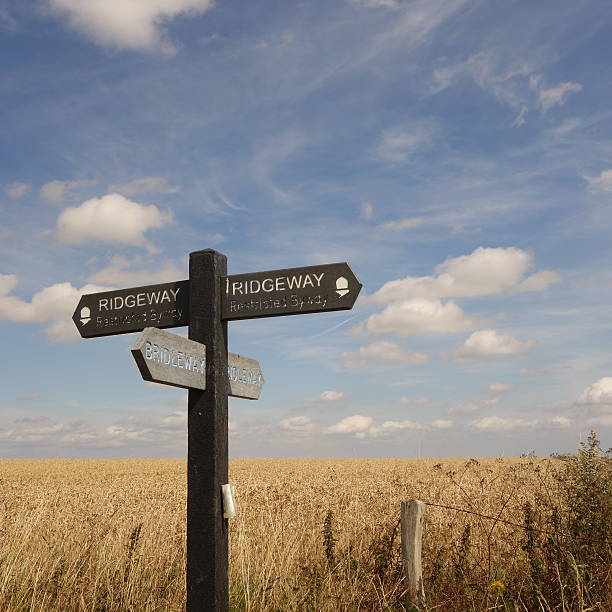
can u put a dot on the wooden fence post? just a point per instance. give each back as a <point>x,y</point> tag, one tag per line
<point>411,519</point>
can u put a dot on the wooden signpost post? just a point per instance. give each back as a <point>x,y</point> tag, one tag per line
<point>202,364</point>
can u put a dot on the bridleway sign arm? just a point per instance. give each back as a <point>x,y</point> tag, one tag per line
<point>170,359</point>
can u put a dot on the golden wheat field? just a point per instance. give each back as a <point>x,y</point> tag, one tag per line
<point>311,534</point>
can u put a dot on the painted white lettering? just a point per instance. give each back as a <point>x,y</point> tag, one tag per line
<point>251,289</point>
<point>153,297</point>
<point>308,281</point>
<point>140,299</point>
<point>236,288</point>
<point>267,285</point>
<point>103,304</point>
<point>294,282</point>
<point>132,301</point>
<point>174,293</point>
<point>318,278</point>
<point>280,283</point>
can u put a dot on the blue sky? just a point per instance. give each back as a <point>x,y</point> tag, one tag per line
<point>457,154</point>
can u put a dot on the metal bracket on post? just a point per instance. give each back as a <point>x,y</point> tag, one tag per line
<point>229,503</point>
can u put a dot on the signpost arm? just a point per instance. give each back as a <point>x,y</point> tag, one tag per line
<point>207,548</point>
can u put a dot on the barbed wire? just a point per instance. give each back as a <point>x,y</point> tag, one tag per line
<point>513,524</point>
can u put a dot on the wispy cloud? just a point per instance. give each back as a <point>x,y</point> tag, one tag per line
<point>146,184</point>
<point>399,144</point>
<point>57,192</point>
<point>381,353</point>
<point>17,190</point>
<point>402,224</point>
<point>122,271</point>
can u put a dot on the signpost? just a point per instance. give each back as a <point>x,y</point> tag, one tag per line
<point>245,377</point>
<point>131,310</point>
<point>170,359</point>
<point>286,292</point>
<point>202,364</point>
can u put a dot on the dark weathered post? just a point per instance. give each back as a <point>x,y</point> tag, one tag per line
<point>207,554</point>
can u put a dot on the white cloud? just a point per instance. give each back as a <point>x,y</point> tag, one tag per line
<point>355,424</point>
<point>402,224</point>
<point>381,353</point>
<point>532,372</point>
<point>134,429</point>
<point>442,423</point>
<point>130,24</point>
<point>400,144</point>
<point>391,427</point>
<point>601,421</point>
<point>176,419</point>
<point>485,271</point>
<point>540,281</point>
<point>599,392</point>
<point>17,190</point>
<point>552,96</point>
<point>57,192</point>
<point>297,425</point>
<point>419,316</point>
<point>54,304</point>
<point>375,3</point>
<point>559,420</point>
<point>499,387</point>
<point>331,396</point>
<point>111,218</point>
<point>603,182</point>
<point>27,398</point>
<point>119,272</point>
<point>417,400</point>
<point>147,184</point>
<point>496,423</point>
<point>367,211</point>
<point>468,407</point>
<point>488,343</point>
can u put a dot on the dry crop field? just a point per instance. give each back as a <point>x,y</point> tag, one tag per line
<point>311,534</point>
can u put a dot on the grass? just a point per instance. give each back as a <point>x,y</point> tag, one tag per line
<point>311,534</point>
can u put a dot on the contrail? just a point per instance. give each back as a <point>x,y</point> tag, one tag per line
<point>331,329</point>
